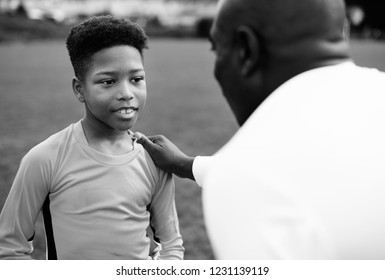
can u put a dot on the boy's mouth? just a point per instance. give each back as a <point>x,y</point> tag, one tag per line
<point>127,110</point>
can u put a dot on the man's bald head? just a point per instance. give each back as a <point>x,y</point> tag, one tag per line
<point>260,44</point>
<point>286,22</point>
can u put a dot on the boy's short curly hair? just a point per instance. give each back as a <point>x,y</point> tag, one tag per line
<point>98,33</point>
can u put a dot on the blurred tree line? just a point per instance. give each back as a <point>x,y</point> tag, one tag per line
<point>365,16</point>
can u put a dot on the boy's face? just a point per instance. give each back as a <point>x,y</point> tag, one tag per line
<point>114,88</point>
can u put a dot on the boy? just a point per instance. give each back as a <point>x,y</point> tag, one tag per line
<point>98,188</point>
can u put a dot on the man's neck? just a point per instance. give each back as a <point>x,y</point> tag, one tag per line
<point>303,57</point>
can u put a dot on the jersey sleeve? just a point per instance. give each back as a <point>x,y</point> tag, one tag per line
<point>164,219</point>
<point>21,209</point>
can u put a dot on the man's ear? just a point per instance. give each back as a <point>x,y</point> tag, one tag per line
<point>248,49</point>
<point>78,90</point>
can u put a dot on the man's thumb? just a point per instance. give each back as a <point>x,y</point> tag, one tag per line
<point>143,140</point>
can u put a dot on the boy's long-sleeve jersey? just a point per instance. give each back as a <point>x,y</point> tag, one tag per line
<point>95,206</point>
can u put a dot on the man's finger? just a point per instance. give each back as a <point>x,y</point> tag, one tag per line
<point>144,141</point>
<point>139,136</point>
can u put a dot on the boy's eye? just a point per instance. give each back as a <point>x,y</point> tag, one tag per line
<point>107,82</point>
<point>138,79</point>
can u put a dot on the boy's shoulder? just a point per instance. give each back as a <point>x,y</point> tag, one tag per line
<point>50,147</point>
<point>155,170</point>
<point>144,156</point>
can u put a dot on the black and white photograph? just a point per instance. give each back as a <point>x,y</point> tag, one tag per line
<point>199,130</point>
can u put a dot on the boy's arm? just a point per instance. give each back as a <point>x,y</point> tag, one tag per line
<point>20,211</point>
<point>164,219</point>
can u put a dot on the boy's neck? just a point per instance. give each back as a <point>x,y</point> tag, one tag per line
<point>105,139</point>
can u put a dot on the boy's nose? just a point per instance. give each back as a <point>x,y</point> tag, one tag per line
<point>125,92</point>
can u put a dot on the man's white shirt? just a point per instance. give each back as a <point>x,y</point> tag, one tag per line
<point>304,177</point>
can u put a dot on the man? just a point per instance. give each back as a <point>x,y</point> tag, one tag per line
<point>304,177</point>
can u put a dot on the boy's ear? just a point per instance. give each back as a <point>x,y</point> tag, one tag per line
<point>248,49</point>
<point>77,88</point>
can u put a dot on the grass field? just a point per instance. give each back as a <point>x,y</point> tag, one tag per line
<point>184,103</point>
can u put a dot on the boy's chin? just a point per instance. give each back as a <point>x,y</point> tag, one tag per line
<point>123,128</point>
<point>122,125</point>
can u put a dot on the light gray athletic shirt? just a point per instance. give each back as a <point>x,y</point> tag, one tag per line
<point>95,206</point>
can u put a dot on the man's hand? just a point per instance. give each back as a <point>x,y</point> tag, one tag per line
<point>166,155</point>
